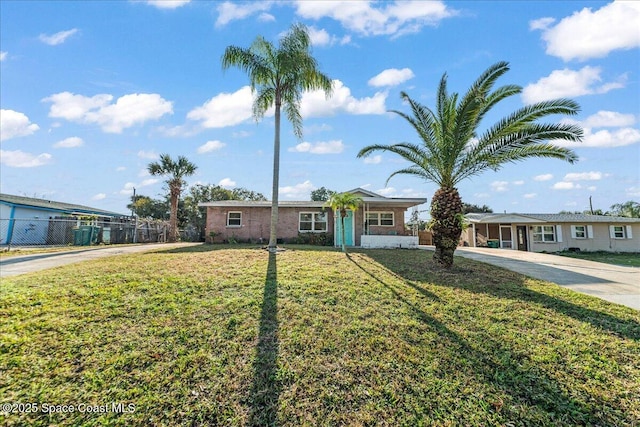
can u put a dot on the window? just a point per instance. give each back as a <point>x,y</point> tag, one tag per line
<point>234,219</point>
<point>579,232</point>
<point>312,222</point>
<point>384,219</point>
<point>544,233</point>
<point>621,232</point>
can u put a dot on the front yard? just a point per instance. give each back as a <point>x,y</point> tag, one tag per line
<point>629,259</point>
<point>236,336</point>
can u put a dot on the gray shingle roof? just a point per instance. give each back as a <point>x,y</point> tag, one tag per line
<point>551,218</point>
<point>58,206</point>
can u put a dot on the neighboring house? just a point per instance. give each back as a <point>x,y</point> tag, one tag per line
<point>552,232</point>
<point>32,221</point>
<point>379,222</point>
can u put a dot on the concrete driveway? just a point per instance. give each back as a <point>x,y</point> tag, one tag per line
<point>13,266</point>
<point>610,282</point>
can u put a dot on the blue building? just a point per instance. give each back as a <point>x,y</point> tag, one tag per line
<point>32,221</point>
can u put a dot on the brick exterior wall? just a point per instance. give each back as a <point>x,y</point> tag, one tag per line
<point>255,223</point>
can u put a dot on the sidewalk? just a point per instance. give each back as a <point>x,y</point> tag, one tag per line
<point>13,266</point>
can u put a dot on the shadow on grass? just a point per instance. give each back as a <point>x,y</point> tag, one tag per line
<point>512,373</point>
<point>265,391</point>
<point>510,286</point>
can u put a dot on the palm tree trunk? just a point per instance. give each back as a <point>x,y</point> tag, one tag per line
<point>173,215</point>
<point>446,215</point>
<point>273,233</point>
<point>344,246</point>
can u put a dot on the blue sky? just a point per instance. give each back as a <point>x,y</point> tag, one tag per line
<point>91,92</point>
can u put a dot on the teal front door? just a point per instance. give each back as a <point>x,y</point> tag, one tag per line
<point>348,229</point>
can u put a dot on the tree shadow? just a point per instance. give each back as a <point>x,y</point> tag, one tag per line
<point>266,388</point>
<point>513,374</point>
<point>514,287</point>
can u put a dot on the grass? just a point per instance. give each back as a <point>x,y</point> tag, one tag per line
<point>628,259</point>
<point>235,337</point>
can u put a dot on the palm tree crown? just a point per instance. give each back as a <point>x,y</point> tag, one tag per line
<point>176,171</point>
<point>278,77</point>
<point>341,203</point>
<point>452,148</point>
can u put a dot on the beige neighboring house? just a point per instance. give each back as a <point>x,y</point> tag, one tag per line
<point>378,223</point>
<point>552,232</point>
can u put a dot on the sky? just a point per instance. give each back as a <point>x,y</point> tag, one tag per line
<point>92,92</point>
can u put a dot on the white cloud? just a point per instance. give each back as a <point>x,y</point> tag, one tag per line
<point>500,186</point>
<point>127,111</point>
<point>482,195</point>
<point>3,55</point>
<point>544,177</point>
<point>373,160</point>
<point>592,188</point>
<point>391,77</point>
<point>167,4</point>
<point>564,185</point>
<point>584,176</point>
<point>387,191</point>
<point>266,17</point>
<point>632,191</point>
<point>324,147</point>
<point>99,196</point>
<point>14,124</point>
<point>299,191</point>
<point>225,109</point>
<point>128,187</point>
<point>20,159</point>
<point>120,169</point>
<point>519,182</point>
<point>230,11</point>
<point>608,119</point>
<point>320,37</point>
<point>151,155</point>
<point>210,146</point>
<point>315,104</point>
<point>567,83</point>
<point>227,183</point>
<point>541,24</point>
<point>530,195</point>
<point>147,182</point>
<point>604,138</point>
<point>71,142</point>
<point>593,34</point>
<point>363,17</point>
<point>57,38</point>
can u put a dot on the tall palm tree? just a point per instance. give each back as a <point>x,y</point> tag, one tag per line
<point>342,203</point>
<point>278,78</point>
<point>452,148</point>
<point>176,170</point>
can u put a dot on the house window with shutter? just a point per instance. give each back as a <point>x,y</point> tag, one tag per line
<point>579,232</point>
<point>618,232</point>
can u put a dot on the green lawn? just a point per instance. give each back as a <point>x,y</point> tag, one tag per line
<point>216,336</point>
<point>615,258</point>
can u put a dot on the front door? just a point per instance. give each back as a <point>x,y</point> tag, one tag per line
<point>348,229</point>
<point>521,232</point>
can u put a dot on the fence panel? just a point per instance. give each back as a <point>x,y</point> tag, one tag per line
<point>74,232</point>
